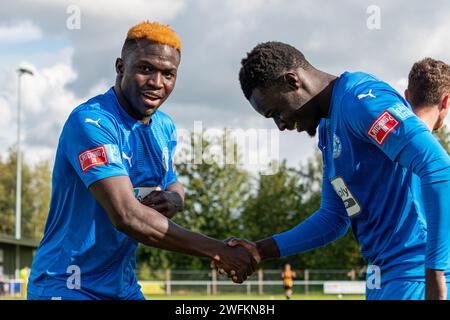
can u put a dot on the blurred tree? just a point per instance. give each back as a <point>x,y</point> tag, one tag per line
<point>36,192</point>
<point>8,193</point>
<point>443,136</point>
<point>35,211</point>
<point>275,205</point>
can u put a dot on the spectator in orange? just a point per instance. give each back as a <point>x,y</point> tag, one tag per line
<point>288,280</point>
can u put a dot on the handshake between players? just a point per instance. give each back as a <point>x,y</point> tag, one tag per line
<point>239,257</point>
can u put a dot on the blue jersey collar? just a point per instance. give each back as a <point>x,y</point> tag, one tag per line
<point>123,114</point>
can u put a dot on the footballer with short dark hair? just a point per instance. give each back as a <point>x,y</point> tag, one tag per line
<point>384,174</point>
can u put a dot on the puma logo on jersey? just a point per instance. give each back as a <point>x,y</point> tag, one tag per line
<point>93,121</point>
<point>128,158</point>
<point>368,94</point>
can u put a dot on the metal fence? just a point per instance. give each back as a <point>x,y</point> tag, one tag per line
<point>12,288</point>
<point>263,282</point>
<point>211,283</point>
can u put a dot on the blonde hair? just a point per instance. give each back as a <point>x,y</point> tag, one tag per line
<point>156,32</point>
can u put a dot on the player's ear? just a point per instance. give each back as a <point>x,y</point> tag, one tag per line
<point>445,103</point>
<point>292,80</point>
<point>119,66</point>
<point>444,107</point>
<point>407,96</point>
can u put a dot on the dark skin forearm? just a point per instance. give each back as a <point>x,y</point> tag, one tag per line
<point>267,248</point>
<point>436,286</point>
<point>153,229</point>
<point>178,188</point>
<point>147,225</point>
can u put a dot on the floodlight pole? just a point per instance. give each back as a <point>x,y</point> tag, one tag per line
<point>18,233</point>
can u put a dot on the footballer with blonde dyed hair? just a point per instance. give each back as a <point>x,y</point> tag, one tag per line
<point>115,184</point>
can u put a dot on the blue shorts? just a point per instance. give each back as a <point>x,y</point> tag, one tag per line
<point>400,290</point>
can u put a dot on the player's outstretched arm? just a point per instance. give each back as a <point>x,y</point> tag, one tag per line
<point>318,230</point>
<point>327,224</point>
<point>146,225</point>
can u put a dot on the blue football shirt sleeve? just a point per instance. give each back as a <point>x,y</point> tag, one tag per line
<point>327,224</point>
<point>377,114</point>
<point>90,141</point>
<point>426,158</point>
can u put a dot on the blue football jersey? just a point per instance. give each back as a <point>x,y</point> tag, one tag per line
<point>368,125</point>
<point>82,255</point>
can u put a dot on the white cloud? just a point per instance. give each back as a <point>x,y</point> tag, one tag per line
<point>46,104</point>
<point>5,121</point>
<point>239,7</point>
<point>400,85</point>
<point>434,42</point>
<point>19,31</point>
<point>122,10</point>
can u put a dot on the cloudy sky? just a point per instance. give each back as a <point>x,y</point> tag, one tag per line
<point>73,62</point>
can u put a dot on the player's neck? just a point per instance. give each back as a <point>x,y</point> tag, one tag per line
<point>429,115</point>
<point>327,82</point>
<point>127,107</point>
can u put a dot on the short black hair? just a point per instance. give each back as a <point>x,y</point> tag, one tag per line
<point>128,47</point>
<point>265,64</point>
